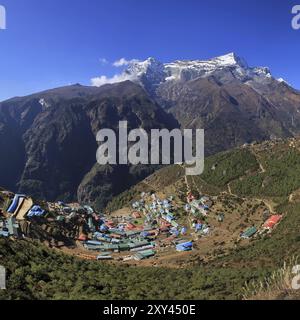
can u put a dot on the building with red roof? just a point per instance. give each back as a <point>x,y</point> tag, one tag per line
<point>272,221</point>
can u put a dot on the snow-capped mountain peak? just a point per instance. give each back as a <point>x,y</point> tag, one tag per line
<point>192,69</point>
<point>229,59</point>
<point>149,73</point>
<point>140,68</point>
<point>152,73</point>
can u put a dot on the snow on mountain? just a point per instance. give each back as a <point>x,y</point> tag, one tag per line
<point>44,103</point>
<point>281,80</point>
<point>192,69</point>
<point>151,73</point>
<point>225,67</point>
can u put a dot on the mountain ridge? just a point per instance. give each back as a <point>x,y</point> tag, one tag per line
<point>42,133</point>
<point>153,71</point>
<point>233,102</point>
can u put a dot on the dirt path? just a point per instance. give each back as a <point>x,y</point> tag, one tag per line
<point>189,189</point>
<point>148,184</point>
<point>188,186</point>
<point>265,201</point>
<point>268,205</point>
<point>229,190</point>
<point>185,179</point>
<point>261,167</point>
<point>294,196</point>
<point>233,194</point>
<point>195,185</point>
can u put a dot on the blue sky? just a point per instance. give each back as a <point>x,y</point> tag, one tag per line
<point>50,43</point>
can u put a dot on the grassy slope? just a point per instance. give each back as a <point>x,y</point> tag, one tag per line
<point>36,272</point>
<point>277,286</point>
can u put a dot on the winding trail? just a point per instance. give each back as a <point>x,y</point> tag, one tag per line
<point>265,201</point>
<point>188,187</point>
<point>196,186</point>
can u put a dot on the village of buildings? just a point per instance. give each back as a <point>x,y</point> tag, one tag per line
<point>147,229</point>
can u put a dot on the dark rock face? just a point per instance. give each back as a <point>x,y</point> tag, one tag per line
<point>49,147</point>
<point>60,149</point>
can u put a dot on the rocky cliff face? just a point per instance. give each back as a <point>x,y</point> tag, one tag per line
<point>49,147</point>
<point>231,114</point>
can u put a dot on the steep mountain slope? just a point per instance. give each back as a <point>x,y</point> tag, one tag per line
<point>231,114</point>
<point>233,102</point>
<point>49,145</point>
